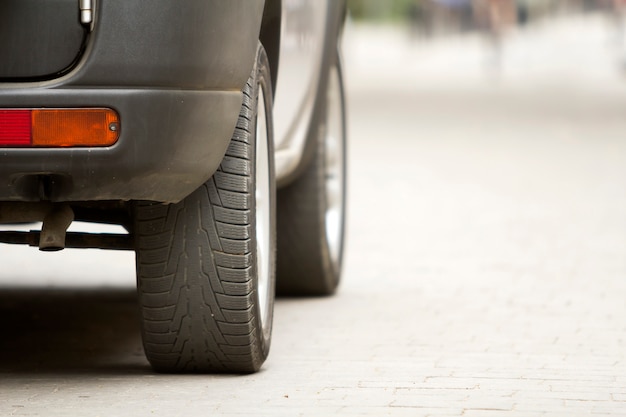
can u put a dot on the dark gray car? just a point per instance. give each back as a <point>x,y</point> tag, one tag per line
<point>159,116</point>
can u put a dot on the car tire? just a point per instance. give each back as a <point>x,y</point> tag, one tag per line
<point>311,210</point>
<point>206,265</point>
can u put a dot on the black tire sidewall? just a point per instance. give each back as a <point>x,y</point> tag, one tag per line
<point>263,83</point>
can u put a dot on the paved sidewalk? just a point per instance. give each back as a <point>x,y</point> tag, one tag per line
<point>489,223</point>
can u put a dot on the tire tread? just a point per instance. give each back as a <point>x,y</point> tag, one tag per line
<point>195,267</point>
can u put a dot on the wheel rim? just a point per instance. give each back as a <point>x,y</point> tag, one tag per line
<point>263,210</point>
<point>334,167</point>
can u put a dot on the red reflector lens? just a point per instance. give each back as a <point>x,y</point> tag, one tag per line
<point>15,127</point>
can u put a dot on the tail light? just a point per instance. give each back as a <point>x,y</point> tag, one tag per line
<point>58,128</point>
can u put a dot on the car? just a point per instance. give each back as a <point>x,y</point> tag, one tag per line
<point>213,131</point>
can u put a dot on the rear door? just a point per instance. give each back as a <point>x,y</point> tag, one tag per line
<point>39,39</point>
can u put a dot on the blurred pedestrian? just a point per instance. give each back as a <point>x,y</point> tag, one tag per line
<point>618,12</point>
<point>456,13</point>
<point>496,17</point>
<point>618,7</point>
<point>420,18</point>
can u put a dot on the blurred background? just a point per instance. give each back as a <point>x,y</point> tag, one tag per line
<point>474,39</point>
<point>486,135</point>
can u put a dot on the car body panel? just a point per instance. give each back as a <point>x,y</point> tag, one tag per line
<point>187,44</point>
<point>173,71</point>
<point>309,34</point>
<point>302,44</point>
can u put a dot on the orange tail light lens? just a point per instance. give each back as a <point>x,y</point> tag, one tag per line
<point>56,128</point>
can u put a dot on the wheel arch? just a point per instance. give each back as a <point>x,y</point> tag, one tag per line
<point>270,35</point>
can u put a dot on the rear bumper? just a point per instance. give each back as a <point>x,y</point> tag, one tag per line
<point>173,72</point>
<point>170,143</point>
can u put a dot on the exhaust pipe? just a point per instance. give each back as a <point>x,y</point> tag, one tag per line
<point>54,227</point>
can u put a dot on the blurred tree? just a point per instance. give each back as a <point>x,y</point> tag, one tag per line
<point>381,9</point>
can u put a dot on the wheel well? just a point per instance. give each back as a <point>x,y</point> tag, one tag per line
<point>270,35</point>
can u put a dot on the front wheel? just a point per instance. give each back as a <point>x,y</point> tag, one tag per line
<point>205,266</point>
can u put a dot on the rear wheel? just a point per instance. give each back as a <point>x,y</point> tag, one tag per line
<point>205,266</point>
<point>311,220</point>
